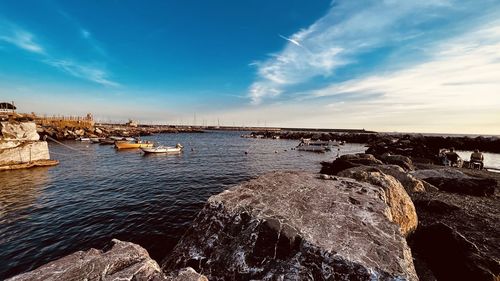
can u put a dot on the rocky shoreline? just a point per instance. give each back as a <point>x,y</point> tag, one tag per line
<point>386,215</point>
<point>73,131</point>
<point>414,145</point>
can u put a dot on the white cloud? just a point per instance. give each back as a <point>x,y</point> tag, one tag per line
<point>25,40</point>
<point>92,73</point>
<point>336,40</point>
<point>22,39</point>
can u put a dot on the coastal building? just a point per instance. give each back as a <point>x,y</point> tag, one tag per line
<point>132,123</point>
<point>6,107</point>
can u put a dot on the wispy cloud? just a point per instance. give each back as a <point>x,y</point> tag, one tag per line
<point>350,30</point>
<point>91,73</point>
<point>25,40</point>
<point>20,38</point>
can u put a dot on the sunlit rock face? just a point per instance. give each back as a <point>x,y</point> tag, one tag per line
<point>19,143</point>
<point>24,153</point>
<point>296,226</point>
<point>401,207</point>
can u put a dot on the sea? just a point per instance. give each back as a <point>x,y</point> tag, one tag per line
<point>97,193</point>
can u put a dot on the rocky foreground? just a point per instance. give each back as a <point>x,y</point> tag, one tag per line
<point>376,216</point>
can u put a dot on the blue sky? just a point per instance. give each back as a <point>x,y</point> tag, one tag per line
<point>425,66</point>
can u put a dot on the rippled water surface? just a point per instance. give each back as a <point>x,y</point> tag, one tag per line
<point>100,193</point>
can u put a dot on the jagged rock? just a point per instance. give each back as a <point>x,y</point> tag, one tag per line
<point>409,182</point>
<point>349,161</point>
<point>20,131</point>
<point>24,153</point>
<point>400,160</point>
<point>187,274</point>
<point>295,226</point>
<point>468,186</point>
<point>124,261</point>
<point>402,209</point>
<point>79,132</point>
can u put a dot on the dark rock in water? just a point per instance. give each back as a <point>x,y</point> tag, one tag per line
<point>469,186</point>
<point>295,226</point>
<point>349,161</point>
<point>124,261</point>
<point>400,204</point>
<point>452,257</point>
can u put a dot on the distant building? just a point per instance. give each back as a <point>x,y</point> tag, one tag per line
<point>132,123</point>
<point>6,107</point>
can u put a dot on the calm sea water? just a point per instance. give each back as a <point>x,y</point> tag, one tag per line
<point>99,193</point>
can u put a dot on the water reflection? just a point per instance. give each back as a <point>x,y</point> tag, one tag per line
<point>20,190</point>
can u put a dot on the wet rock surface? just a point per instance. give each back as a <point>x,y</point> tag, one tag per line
<point>123,261</point>
<point>295,226</point>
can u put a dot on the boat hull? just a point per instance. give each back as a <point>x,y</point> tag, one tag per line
<point>129,145</point>
<point>161,149</point>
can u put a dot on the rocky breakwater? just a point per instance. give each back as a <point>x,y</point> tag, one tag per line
<point>457,237</point>
<point>20,146</point>
<point>121,261</point>
<point>297,226</point>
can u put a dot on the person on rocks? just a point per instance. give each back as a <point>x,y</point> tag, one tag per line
<point>453,157</point>
<point>477,157</point>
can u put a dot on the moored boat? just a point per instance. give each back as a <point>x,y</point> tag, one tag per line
<point>107,141</point>
<point>163,149</point>
<point>130,145</point>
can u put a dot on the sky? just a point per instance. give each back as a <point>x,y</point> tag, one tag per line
<point>386,65</point>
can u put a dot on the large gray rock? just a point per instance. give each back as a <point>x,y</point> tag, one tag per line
<point>124,261</point>
<point>295,226</point>
<point>402,209</point>
<point>24,153</point>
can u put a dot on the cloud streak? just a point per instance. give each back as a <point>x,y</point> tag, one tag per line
<point>20,38</point>
<point>347,33</point>
<point>25,40</point>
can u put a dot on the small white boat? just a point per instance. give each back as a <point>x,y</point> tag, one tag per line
<point>163,149</point>
<point>312,148</point>
<point>83,139</point>
<point>129,139</point>
<point>95,140</point>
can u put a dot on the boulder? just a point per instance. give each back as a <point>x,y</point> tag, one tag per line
<point>439,173</point>
<point>349,161</point>
<point>400,160</point>
<point>295,226</point>
<point>24,153</point>
<point>409,182</point>
<point>453,180</point>
<point>124,261</point>
<point>451,256</point>
<point>467,186</point>
<point>457,237</point>
<point>20,131</point>
<point>401,207</point>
